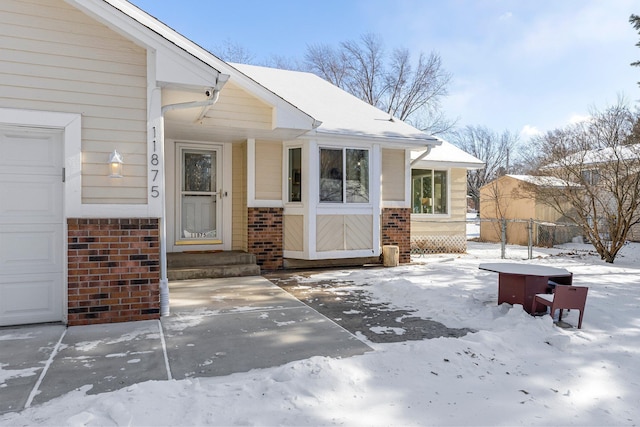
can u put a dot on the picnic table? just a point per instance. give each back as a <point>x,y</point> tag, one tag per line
<point>519,283</point>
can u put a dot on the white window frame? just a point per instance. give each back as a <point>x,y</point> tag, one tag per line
<point>287,185</point>
<point>447,173</point>
<point>344,150</point>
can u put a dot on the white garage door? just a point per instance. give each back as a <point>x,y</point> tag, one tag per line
<point>31,225</point>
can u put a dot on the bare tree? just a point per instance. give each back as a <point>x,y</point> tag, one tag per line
<point>635,22</point>
<point>408,90</point>
<point>230,51</point>
<point>283,63</point>
<point>599,159</point>
<point>495,205</point>
<point>491,147</point>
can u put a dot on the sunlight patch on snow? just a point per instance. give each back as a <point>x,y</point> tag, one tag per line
<point>387,329</point>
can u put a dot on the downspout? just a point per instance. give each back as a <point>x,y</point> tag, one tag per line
<point>422,156</point>
<point>213,94</point>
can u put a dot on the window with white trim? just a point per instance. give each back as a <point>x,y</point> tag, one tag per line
<point>429,189</point>
<point>295,175</point>
<point>344,175</point>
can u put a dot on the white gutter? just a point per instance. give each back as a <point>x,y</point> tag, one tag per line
<point>213,94</point>
<point>421,156</point>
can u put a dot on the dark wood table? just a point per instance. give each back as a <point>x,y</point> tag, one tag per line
<point>519,283</point>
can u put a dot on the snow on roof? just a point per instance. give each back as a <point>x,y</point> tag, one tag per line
<point>448,153</point>
<point>599,155</point>
<point>341,113</point>
<point>543,181</point>
<point>602,155</point>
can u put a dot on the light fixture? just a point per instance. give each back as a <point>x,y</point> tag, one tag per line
<point>115,165</point>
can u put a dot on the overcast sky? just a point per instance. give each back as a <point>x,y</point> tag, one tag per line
<point>525,66</point>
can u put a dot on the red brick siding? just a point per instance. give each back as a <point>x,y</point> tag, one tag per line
<point>265,236</point>
<point>113,270</point>
<point>396,230</point>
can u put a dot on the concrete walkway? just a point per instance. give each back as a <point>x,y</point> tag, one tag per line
<point>216,327</point>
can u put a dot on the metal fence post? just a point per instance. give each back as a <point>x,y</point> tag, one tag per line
<point>503,238</point>
<point>530,238</point>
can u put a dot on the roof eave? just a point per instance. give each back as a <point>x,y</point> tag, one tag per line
<point>395,141</point>
<point>441,163</point>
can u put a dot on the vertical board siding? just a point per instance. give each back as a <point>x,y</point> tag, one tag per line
<point>90,70</point>
<point>294,232</point>
<point>268,170</point>
<point>239,197</point>
<point>393,176</point>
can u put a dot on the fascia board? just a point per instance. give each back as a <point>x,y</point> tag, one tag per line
<point>429,164</point>
<point>286,116</point>
<point>384,141</point>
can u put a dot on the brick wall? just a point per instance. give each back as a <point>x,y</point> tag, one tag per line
<point>113,270</point>
<point>396,230</point>
<point>265,236</point>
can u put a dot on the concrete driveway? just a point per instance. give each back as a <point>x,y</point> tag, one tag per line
<point>216,327</point>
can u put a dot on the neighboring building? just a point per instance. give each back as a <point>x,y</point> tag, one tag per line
<point>207,156</point>
<point>599,170</point>
<point>439,199</point>
<point>509,197</point>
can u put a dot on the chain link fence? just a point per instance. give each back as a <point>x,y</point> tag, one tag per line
<point>530,233</point>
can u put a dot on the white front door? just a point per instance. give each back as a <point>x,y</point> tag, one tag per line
<point>31,225</point>
<point>199,201</point>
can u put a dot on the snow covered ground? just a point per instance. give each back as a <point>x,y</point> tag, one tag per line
<point>515,370</point>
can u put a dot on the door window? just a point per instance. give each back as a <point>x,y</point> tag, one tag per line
<point>199,198</point>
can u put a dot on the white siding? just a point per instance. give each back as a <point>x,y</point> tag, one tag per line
<point>268,170</point>
<point>393,176</point>
<point>91,70</point>
<point>235,109</point>
<point>239,197</point>
<point>452,225</point>
<point>239,109</point>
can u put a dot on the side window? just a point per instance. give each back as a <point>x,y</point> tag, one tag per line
<point>344,175</point>
<point>295,175</point>
<point>591,176</point>
<point>331,175</point>
<point>429,191</point>
<point>357,176</point>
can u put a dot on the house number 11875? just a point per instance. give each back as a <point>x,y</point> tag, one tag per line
<point>154,161</point>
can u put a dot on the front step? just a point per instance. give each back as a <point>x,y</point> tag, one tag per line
<point>202,265</point>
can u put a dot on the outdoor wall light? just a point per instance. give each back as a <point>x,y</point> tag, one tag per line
<point>115,165</point>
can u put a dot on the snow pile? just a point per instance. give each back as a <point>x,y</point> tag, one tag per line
<point>515,370</point>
